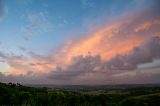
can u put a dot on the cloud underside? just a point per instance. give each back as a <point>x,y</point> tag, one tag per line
<point>111,54</point>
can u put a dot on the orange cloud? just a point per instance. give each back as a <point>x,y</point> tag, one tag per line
<point>144,26</point>
<point>116,38</point>
<point>22,66</point>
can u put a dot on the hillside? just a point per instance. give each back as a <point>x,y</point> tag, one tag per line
<point>16,94</point>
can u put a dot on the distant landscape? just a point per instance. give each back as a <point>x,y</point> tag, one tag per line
<point>79,52</point>
<point>80,95</point>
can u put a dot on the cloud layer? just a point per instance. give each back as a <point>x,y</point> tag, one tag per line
<point>110,54</point>
<point>144,53</point>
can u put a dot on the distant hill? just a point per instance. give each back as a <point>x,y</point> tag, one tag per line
<point>91,87</point>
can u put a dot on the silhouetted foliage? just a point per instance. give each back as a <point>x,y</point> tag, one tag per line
<point>16,94</point>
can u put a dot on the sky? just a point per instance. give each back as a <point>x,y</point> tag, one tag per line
<point>89,42</point>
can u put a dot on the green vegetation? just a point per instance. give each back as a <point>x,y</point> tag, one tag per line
<point>16,94</point>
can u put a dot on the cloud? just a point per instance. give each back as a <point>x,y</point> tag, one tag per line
<point>138,77</point>
<point>22,65</point>
<point>117,37</point>
<point>102,56</point>
<point>63,23</point>
<point>25,38</point>
<point>88,3</point>
<point>144,26</point>
<point>146,52</point>
<point>79,66</point>
<point>25,79</point>
<point>24,2</point>
<point>37,23</point>
<point>89,68</point>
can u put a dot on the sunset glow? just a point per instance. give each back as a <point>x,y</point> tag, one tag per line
<point>99,42</point>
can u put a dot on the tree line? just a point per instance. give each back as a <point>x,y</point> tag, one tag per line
<point>18,95</point>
